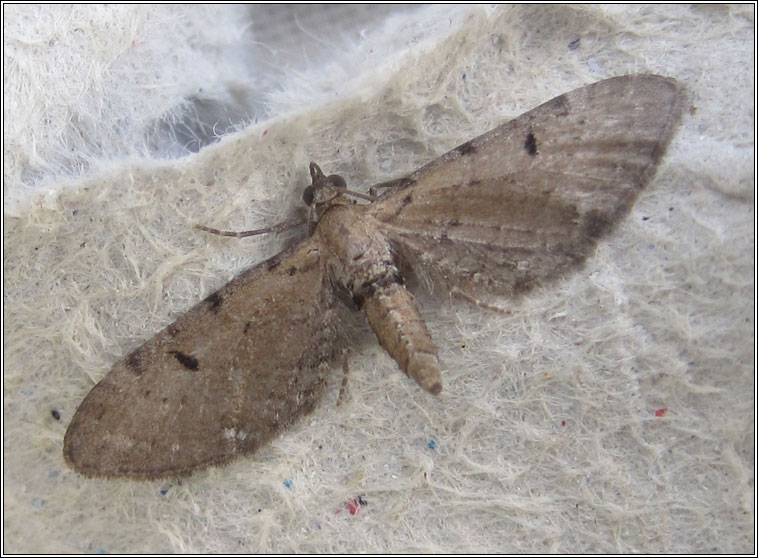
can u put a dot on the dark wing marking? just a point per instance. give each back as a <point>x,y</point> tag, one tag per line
<point>527,201</point>
<point>220,381</point>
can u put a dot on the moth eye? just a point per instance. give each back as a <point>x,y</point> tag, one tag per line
<point>308,195</point>
<point>337,181</point>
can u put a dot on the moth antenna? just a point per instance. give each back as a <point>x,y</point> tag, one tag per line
<point>281,227</point>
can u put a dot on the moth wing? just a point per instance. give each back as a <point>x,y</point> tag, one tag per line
<point>527,201</point>
<point>220,381</point>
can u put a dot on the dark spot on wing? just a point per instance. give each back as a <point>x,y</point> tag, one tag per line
<point>214,302</point>
<point>454,223</point>
<point>531,144</point>
<point>407,200</point>
<point>274,262</point>
<point>466,148</point>
<point>559,105</point>
<point>523,284</point>
<point>100,411</point>
<point>188,361</point>
<point>291,271</point>
<point>247,327</point>
<point>56,414</point>
<point>596,224</point>
<point>134,361</point>
<point>444,239</point>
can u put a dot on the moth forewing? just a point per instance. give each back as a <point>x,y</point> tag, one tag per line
<point>221,380</point>
<point>514,208</point>
<point>527,201</point>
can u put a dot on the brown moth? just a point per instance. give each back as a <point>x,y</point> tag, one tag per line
<point>512,209</point>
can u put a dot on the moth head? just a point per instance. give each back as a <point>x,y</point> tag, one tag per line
<point>323,188</point>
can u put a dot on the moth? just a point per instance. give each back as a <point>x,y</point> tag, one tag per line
<point>517,207</point>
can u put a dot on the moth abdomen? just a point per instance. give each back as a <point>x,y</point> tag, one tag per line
<point>393,315</point>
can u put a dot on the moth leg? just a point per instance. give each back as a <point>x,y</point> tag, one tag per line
<point>346,372</point>
<point>480,303</point>
<point>281,227</point>
<point>370,197</point>
<point>389,185</point>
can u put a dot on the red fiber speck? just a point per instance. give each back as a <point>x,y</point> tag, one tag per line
<point>353,506</point>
